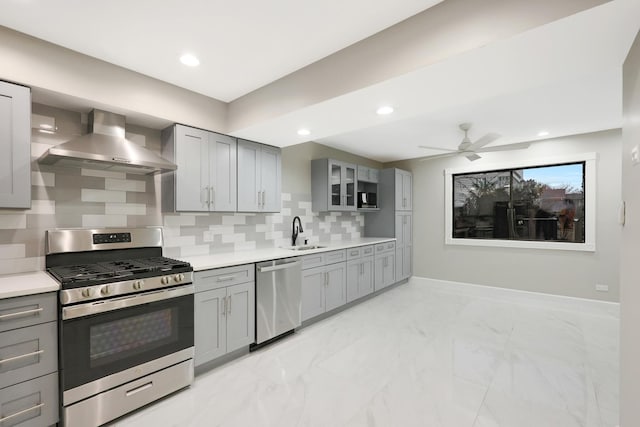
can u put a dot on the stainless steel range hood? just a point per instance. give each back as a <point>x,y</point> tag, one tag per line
<point>105,147</point>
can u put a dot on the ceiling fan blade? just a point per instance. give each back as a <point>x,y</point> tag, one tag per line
<point>437,148</point>
<point>487,139</point>
<point>472,156</point>
<point>437,156</point>
<point>519,146</point>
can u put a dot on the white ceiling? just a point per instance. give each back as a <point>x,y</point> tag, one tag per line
<point>242,44</point>
<point>563,77</point>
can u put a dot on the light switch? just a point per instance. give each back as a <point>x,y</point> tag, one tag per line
<point>635,155</point>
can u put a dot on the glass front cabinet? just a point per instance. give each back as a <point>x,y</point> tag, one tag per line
<point>333,185</point>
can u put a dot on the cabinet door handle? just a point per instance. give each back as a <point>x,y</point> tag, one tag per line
<point>264,198</point>
<point>20,313</point>
<point>223,306</point>
<point>24,411</point>
<point>229,297</point>
<point>22,356</point>
<point>326,279</point>
<point>212,196</point>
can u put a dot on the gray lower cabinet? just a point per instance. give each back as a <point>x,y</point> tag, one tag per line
<point>384,265</point>
<point>31,403</point>
<point>224,311</point>
<point>359,272</point>
<point>15,145</point>
<point>324,283</point>
<point>29,361</point>
<point>259,177</point>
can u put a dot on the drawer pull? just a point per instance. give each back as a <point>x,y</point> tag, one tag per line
<point>354,253</point>
<point>226,278</point>
<point>20,313</point>
<point>22,356</point>
<point>143,387</point>
<point>24,411</point>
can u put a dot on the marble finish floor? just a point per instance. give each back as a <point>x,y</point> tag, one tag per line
<point>423,354</point>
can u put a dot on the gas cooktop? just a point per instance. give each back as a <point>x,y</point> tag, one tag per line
<point>80,275</point>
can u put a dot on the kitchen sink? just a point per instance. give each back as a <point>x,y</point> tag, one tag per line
<point>304,247</point>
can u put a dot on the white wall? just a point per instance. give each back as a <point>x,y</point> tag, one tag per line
<point>570,273</point>
<point>630,250</point>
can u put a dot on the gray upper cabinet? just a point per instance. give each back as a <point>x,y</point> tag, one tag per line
<point>15,144</point>
<point>205,180</point>
<point>367,174</point>
<point>259,177</point>
<point>333,185</point>
<point>403,190</point>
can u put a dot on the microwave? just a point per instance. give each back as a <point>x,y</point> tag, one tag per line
<point>367,200</point>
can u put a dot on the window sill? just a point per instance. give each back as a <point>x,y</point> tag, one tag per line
<point>523,244</point>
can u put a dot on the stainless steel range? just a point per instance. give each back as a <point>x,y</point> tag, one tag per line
<point>126,329</point>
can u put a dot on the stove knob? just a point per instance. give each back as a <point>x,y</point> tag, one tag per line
<point>137,285</point>
<point>106,290</point>
<point>165,280</point>
<point>87,292</point>
<point>178,277</point>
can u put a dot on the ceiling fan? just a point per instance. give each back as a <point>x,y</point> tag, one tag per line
<point>471,149</point>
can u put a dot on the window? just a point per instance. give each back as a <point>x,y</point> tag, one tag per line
<point>538,205</point>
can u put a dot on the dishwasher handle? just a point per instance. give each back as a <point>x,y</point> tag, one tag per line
<point>278,267</point>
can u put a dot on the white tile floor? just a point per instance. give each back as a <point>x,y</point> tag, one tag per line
<point>422,354</point>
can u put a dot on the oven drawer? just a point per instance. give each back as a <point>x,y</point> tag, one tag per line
<point>31,403</point>
<point>222,277</point>
<point>28,353</point>
<point>26,311</point>
<point>118,401</point>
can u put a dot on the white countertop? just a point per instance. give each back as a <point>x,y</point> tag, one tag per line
<point>206,262</point>
<point>37,282</point>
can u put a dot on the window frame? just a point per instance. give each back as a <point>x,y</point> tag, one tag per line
<point>590,181</point>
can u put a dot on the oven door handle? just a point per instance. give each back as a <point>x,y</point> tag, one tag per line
<point>91,308</point>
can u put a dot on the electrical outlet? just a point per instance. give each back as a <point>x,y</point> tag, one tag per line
<point>207,236</point>
<point>602,288</point>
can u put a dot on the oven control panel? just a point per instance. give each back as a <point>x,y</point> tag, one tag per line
<point>90,293</point>
<point>100,238</point>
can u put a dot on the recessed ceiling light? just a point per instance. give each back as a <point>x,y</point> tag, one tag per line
<point>189,60</point>
<point>304,132</point>
<point>383,111</point>
<point>543,133</point>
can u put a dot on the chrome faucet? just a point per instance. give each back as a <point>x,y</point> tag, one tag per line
<point>295,230</point>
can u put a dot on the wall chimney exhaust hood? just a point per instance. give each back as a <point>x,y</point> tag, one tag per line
<point>105,147</point>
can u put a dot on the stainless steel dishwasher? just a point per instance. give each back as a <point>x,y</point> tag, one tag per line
<point>278,298</point>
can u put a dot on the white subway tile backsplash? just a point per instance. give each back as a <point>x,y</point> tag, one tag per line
<point>125,185</point>
<point>232,219</point>
<point>13,221</point>
<point>94,195</point>
<point>21,265</point>
<point>125,209</point>
<point>104,220</point>
<point>244,246</point>
<point>12,251</point>
<point>103,174</point>
<point>179,220</point>
<point>195,250</point>
<point>286,197</point>
<point>42,207</point>
<point>179,240</point>
<point>43,179</point>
